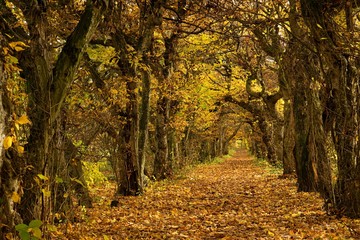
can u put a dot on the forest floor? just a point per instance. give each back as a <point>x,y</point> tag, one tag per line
<point>234,199</point>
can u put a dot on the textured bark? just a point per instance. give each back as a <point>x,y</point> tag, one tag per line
<point>164,157</point>
<point>9,163</point>
<point>143,125</point>
<point>48,88</point>
<point>319,72</point>
<point>287,85</point>
<point>5,210</point>
<point>346,134</point>
<point>288,140</point>
<point>59,201</point>
<point>312,164</point>
<point>135,129</point>
<point>304,167</point>
<point>130,183</point>
<point>162,149</point>
<point>205,151</point>
<point>74,166</point>
<point>268,140</point>
<point>127,140</point>
<point>35,63</point>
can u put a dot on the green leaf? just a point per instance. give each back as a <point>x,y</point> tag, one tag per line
<point>35,223</point>
<point>13,60</point>
<point>42,177</point>
<point>24,235</point>
<point>21,227</point>
<point>59,180</point>
<point>77,180</point>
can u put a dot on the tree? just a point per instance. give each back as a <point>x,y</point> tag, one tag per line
<point>133,46</point>
<point>7,179</point>
<point>48,80</point>
<point>338,68</point>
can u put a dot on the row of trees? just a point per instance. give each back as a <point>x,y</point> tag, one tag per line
<point>151,86</point>
<point>313,46</point>
<point>94,80</point>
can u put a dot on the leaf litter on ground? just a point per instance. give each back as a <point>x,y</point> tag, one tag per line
<point>234,199</point>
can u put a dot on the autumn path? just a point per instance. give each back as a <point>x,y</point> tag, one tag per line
<point>235,199</point>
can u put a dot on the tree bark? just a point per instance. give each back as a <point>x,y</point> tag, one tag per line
<point>129,184</point>
<point>288,140</point>
<point>48,89</point>
<point>143,125</point>
<point>10,168</point>
<point>162,149</point>
<point>135,129</point>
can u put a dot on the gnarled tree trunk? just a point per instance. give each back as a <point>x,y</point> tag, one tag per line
<point>48,87</point>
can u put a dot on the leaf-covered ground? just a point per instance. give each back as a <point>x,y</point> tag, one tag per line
<point>236,199</point>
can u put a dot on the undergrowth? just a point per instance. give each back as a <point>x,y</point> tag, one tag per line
<point>271,169</point>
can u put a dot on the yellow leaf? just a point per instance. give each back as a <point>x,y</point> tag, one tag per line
<point>18,46</point>
<point>20,149</point>
<point>51,228</point>
<point>6,50</point>
<point>8,142</point>
<point>43,177</point>
<point>114,91</point>
<point>271,234</point>
<point>8,235</point>
<point>46,193</point>
<point>15,197</point>
<point>23,120</point>
<point>18,49</point>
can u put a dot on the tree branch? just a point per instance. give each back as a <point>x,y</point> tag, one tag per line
<point>71,54</point>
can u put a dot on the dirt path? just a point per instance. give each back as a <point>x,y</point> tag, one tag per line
<point>232,200</point>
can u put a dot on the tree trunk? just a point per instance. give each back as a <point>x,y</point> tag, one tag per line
<point>267,140</point>
<point>229,138</point>
<point>312,164</point>
<point>205,150</point>
<point>339,68</point>
<point>143,125</point>
<point>162,149</point>
<point>304,167</point>
<point>288,140</point>
<point>75,170</point>
<point>164,157</point>
<point>48,89</point>
<point>172,151</point>
<point>135,129</point>
<point>129,183</point>
<point>346,134</point>
<point>57,192</point>
<point>10,168</point>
